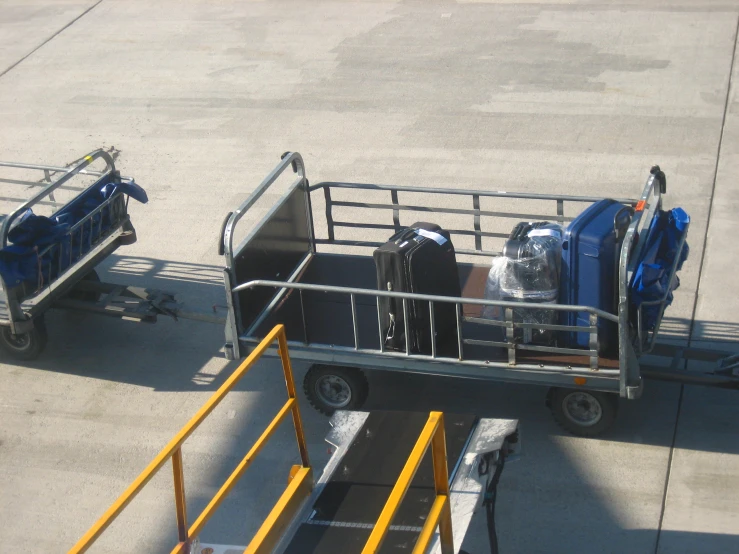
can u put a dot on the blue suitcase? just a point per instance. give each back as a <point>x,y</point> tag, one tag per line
<point>589,265</point>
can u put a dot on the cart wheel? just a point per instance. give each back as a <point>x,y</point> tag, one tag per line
<point>581,412</point>
<point>330,388</point>
<point>86,295</point>
<point>26,346</point>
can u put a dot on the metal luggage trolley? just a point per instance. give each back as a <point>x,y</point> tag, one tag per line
<point>66,276</point>
<point>329,303</point>
<point>67,259</point>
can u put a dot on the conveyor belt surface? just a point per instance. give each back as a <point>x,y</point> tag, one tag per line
<point>350,503</point>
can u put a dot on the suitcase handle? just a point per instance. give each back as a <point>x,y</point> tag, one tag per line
<point>404,234</point>
<point>621,221</point>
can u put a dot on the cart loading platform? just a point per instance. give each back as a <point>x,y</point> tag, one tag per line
<point>285,271</point>
<point>397,482</point>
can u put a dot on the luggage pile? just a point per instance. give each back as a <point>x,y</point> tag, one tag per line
<point>541,263</point>
<point>41,248</point>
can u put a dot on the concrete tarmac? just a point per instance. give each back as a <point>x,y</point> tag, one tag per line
<point>200,98</point>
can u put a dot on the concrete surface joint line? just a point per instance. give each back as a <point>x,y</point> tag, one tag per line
<point>67,26</point>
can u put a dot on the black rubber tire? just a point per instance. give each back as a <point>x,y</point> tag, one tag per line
<point>601,409</point>
<point>86,295</point>
<point>27,346</point>
<point>349,384</point>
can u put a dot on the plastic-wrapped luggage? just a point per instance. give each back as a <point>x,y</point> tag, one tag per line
<point>527,271</point>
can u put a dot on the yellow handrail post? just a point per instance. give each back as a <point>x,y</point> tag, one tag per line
<point>441,483</point>
<point>440,514</point>
<point>179,496</point>
<point>298,489</point>
<point>290,384</point>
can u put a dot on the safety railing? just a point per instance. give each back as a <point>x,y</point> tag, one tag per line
<point>301,477</point>
<point>510,322</point>
<point>48,190</point>
<point>49,181</point>
<point>457,202</point>
<point>440,514</point>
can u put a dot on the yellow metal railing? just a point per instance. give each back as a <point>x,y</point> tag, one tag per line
<point>301,477</point>
<point>440,514</point>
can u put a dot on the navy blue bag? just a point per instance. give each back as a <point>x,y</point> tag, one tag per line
<point>652,275</point>
<point>20,261</point>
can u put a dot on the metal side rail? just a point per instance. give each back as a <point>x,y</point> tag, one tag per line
<point>133,303</point>
<point>692,366</point>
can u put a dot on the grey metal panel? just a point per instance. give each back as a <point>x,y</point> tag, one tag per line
<point>279,244</point>
<point>537,374</point>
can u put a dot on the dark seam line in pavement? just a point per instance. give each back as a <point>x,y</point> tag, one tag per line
<point>669,468</point>
<point>52,36</point>
<point>698,288</point>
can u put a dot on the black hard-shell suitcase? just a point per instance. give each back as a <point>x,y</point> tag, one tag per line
<point>421,260</point>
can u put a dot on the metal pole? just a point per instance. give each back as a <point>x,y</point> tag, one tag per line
<point>179,496</point>
<point>407,327</point>
<point>353,300</point>
<point>433,329</point>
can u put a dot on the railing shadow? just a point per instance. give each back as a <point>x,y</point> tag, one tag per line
<point>699,330</point>
<point>185,277</point>
<point>642,421</point>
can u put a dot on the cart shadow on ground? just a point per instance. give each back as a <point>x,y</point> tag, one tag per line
<point>168,356</point>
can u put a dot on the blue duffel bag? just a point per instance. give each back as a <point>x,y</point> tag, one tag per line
<point>651,281</point>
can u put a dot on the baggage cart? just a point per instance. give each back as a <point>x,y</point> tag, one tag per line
<point>284,272</point>
<point>66,276</point>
